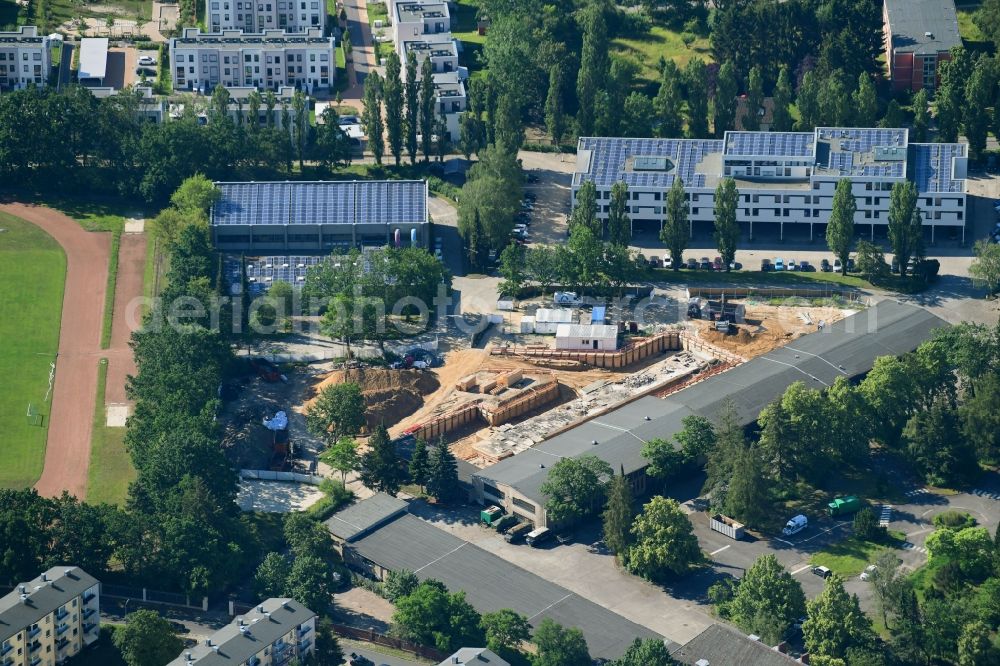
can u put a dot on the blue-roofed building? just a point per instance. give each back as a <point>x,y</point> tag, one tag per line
<point>783,177</point>
<point>300,217</point>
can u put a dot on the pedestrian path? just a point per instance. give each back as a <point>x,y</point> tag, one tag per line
<point>912,546</point>
<point>885,517</point>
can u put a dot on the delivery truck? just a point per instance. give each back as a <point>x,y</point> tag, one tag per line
<point>842,506</point>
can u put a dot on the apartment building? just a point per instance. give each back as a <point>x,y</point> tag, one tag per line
<point>274,633</point>
<point>919,36</point>
<point>148,106</point>
<point>413,19</point>
<point>261,15</point>
<point>49,619</point>
<point>783,178</point>
<point>264,60</point>
<point>441,49</point>
<point>24,58</point>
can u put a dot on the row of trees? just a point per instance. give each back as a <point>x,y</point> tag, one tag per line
<point>104,146</point>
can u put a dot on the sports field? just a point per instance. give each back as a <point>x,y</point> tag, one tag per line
<point>32,276</point>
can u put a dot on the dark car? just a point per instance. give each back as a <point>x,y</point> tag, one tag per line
<point>765,265</point>
<point>517,533</point>
<point>822,572</point>
<point>895,265</point>
<point>825,266</point>
<point>531,178</point>
<point>359,660</point>
<point>705,264</point>
<point>692,263</point>
<point>850,265</point>
<point>804,266</point>
<point>654,262</point>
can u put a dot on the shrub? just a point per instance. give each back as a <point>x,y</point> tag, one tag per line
<point>335,496</point>
<point>955,520</point>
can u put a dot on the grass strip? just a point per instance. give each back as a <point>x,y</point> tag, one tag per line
<point>110,470</point>
<point>109,293</point>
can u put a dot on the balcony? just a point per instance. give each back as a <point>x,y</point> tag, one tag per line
<point>5,649</point>
<point>87,612</point>
<point>34,632</point>
<point>61,613</point>
<point>88,597</point>
<point>304,630</point>
<point>87,628</point>
<point>34,646</point>
<point>304,645</point>
<point>61,629</point>
<point>61,643</point>
<point>35,661</point>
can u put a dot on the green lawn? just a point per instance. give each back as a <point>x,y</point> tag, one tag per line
<point>33,272</point>
<point>464,29</point>
<point>849,557</point>
<point>111,468</point>
<point>661,41</point>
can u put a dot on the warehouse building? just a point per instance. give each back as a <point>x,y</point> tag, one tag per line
<point>783,178</point>
<point>50,619</point>
<point>264,60</point>
<point>24,58</point>
<point>847,348</point>
<point>919,36</point>
<point>322,216</point>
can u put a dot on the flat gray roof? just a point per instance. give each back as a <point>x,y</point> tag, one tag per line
<point>491,583</point>
<point>93,58</point>
<point>361,517</point>
<point>718,645</point>
<point>911,20</point>
<point>62,585</point>
<point>262,629</point>
<point>847,348</point>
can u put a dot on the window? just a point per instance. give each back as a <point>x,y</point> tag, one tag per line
<point>527,506</point>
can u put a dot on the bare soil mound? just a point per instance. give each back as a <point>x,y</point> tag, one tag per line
<point>390,395</point>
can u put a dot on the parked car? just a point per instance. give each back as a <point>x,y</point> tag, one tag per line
<point>147,60</point>
<point>822,572</point>
<point>537,537</point>
<point>531,177</point>
<point>837,265</point>
<point>148,72</point>
<point>792,265</point>
<point>825,266</point>
<point>894,266</point>
<point>868,572</point>
<point>850,265</point>
<point>717,264</point>
<point>795,525</point>
<point>705,264</point>
<point>692,264</point>
<point>667,261</point>
<point>517,533</point>
<point>804,266</point>
<point>654,262</point>
<point>779,264</point>
<point>765,265</point>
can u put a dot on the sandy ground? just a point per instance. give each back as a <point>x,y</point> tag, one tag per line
<point>276,496</point>
<point>67,451</point>
<point>777,326</point>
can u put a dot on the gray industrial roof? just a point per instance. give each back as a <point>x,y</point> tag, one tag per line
<point>262,629</point>
<point>911,20</point>
<point>847,348</point>
<point>718,645</point>
<point>474,657</point>
<point>361,517</point>
<point>491,583</point>
<point>44,596</point>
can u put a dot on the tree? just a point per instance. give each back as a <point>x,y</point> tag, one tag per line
<point>585,208</point>
<point>648,652</point>
<point>555,118</point>
<point>426,107</point>
<point>696,83</point>
<point>937,447</point>
<point>668,102</point>
<point>470,134</point>
<point>747,499</point>
<point>663,543</point>
<point>508,130</point>
<point>310,583</point>
<point>394,114</point>
<point>985,268</point>
<point>638,113</point>
<point>870,260</point>
<point>371,116</point>
<point>902,205</point>
<point>949,96</point>
<point>196,196</point>
<point>512,270</point>
<point>593,71</point>
<point>727,229</point>
<point>782,99</point>
<point>866,525</point>
<point>271,577</point>
<point>755,100</point>
<point>419,464</point>
<point>328,650</point>
<point>807,101</point>
<point>542,266</point>
<point>380,466</point>
<point>505,630</point>
<point>767,600</point>
<point>893,115</point>
<point>431,616</point>
<point>575,488</point>
<point>147,639</point>
<point>974,646</point>
<point>921,115</point>
<point>865,102</point>
<point>840,228</point>
<point>619,224</point>
<point>618,515</point>
<point>835,622</point>
<point>343,457</point>
<point>339,411</point>
<point>442,477</point>
<point>411,97</point>
<point>725,99</point>
<point>306,537</point>
<point>399,583</point>
<point>835,100</point>
<point>675,232</point>
<point>558,646</point>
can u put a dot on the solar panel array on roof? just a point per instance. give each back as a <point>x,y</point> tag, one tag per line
<point>346,202</point>
<point>610,156</point>
<point>935,166</point>
<point>785,144</point>
<point>866,137</point>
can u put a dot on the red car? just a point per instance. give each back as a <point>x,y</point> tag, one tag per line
<point>717,264</point>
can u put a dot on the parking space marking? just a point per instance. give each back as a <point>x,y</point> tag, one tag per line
<point>787,543</point>
<point>826,531</point>
<point>717,551</point>
<point>800,570</point>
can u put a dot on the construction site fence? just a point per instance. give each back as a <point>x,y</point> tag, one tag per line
<point>371,636</point>
<point>149,596</point>
<point>268,475</point>
<point>693,343</point>
<point>763,293</point>
<point>631,353</point>
<point>446,423</point>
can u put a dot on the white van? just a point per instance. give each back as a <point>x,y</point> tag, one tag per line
<point>795,525</point>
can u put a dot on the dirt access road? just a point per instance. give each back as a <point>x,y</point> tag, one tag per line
<point>67,450</point>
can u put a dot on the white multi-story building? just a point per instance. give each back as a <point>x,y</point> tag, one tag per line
<point>274,633</point>
<point>441,49</point>
<point>263,60</point>
<point>413,19</point>
<point>783,178</point>
<point>24,58</point>
<point>261,15</point>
